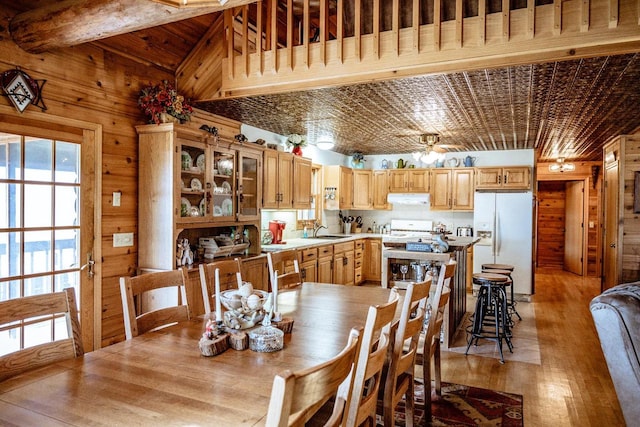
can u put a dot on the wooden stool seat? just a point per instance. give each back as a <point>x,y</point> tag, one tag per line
<point>498,267</point>
<point>496,271</point>
<point>490,277</point>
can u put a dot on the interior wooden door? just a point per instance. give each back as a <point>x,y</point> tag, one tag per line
<point>611,224</point>
<point>574,222</point>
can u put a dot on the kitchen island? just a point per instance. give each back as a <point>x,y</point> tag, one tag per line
<point>458,249</point>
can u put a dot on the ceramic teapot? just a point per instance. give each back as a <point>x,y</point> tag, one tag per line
<point>469,161</point>
<point>453,162</point>
<point>400,164</point>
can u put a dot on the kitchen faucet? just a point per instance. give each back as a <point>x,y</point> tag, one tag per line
<point>316,227</point>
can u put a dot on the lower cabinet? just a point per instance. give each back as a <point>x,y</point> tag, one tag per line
<point>325,264</point>
<point>343,263</point>
<point>373,260</point>
<point>308,262</point>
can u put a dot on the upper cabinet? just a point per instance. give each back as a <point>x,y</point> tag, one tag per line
<point>409,181</point>
<point>362,189</point>
<point>513,177</point>
<point>277,172</point>
<point>302,194</point>
<point>452,189</point>
<point>249,185</point>
<point>338,187</point>
<point>223,183</point>
<point>380,180</point>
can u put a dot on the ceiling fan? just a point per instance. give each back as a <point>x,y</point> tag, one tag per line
<point>433,151</point>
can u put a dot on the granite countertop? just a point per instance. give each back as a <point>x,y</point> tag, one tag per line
<point>311,242</point>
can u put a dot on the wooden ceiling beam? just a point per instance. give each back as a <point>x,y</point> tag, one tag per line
<point>73,22</point>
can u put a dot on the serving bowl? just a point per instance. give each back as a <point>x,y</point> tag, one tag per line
<point>244,310</point>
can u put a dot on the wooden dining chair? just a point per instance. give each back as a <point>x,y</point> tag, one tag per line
<point>17,312</point>
<point>284,265</point>
<point>401,359</point>
<point>229,274</point>
<point>431,349</point>
<point>297,396</point>
<point>142,313</point>
<point>361,407</point>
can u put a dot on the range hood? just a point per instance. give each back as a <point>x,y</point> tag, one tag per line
<point>408,198</point>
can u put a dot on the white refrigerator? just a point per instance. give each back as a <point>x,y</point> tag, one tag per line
<point>504,224</point>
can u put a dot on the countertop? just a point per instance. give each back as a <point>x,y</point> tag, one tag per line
<point>455,242</point>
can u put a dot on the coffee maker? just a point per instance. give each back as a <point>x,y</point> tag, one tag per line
<point>276,227</point>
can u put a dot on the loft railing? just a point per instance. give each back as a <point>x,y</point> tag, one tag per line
<point>279,45</point>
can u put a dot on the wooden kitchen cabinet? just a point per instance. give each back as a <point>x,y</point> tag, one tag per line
<point>452,189</point>
<point>301,183</point>
<point>325,264</point>
<point>343,263</point>
<point>409,181</point>
<point>340,179</point>
<point>308,261</point>
<point>255,271</point>
<point>358,261</point>
<point>380,181</point>
<point>513,177</point>
<point>362,189</point>
<point>277,190</point>
<point>373,260</point>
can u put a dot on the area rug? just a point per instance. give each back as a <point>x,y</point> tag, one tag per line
<point>462,405</point>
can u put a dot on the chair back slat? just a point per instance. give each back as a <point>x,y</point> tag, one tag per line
<point>52,304</point>
<point>132,290</point>
<point>285,264</point>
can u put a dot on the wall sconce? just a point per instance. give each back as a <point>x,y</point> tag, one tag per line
<point>561,166</point>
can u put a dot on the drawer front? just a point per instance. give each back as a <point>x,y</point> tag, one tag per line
<point>325,251</point>
<point>357,275</point>
<point>359,244</point>
<point>342,247</point>
<point>359,253</point>
<point>309,254</point>
<point>357,263</point>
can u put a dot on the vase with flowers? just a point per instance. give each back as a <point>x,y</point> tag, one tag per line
<point>297,142</point>
<point>357,160</point>
<point>161,102</point>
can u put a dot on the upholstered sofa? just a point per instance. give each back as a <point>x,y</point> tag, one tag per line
<point>616,313</point>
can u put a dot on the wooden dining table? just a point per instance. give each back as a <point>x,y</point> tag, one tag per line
<point>161,378</point>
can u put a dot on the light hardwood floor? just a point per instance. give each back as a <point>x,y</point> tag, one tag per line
<point>571,386</point>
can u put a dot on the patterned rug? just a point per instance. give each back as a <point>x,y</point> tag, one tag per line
<point>463,405</point>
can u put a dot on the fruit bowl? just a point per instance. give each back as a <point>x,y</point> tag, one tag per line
<point>244,307</point>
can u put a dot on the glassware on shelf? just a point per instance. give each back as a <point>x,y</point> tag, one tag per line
<point>404,269</point>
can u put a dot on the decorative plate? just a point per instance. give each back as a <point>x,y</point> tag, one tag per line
<point>217,211</point>
<point>195,211</point>
<point>185,207</point>
<point>196,185</point>
<point>200,162</point>
<point>227,207</point>
<point>187,161</point>
<point>267,238</point>
<point>226,187</point>
<point>202,207</point>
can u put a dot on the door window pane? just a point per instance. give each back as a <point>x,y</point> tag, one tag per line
<point>67,245</point>
<point>67,200</point>
<point>37,205</point>
<point>10,254</point>
<point>67,162</point>
<point>10,216</point>
<point>37,285</point>
<point>9,156</point>
<point>37,252</point>
<point>37,159</point>
<point>37,333</point>
<point>66,280</point>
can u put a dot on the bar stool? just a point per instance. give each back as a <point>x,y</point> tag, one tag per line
<point>490,316</point>
<point>507,270</point>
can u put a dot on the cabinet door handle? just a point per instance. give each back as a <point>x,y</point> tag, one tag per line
<point>505,179</point>
<point>499,179</point>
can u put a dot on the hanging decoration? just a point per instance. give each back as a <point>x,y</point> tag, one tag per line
<point>22,90</point>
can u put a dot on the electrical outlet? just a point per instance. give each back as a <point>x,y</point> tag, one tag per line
<point>122,239</point>
<point>592,224</point>
<point>116,198</point>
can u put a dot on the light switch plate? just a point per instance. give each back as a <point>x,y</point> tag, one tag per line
<point>122,239</point>
<point>116,198</point>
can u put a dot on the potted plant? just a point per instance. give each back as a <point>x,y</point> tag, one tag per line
<point>161,103</point>
<point>297,142</point>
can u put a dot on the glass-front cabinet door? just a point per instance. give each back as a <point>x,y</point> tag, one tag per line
<point>223,184</point>
<point>193,182</point>
<point>249,185</point>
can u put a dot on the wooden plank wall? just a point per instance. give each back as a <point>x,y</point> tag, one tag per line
<point>631,225</point>
<point>551,218</point>
<point>90,84</point>
<point>550,249</point>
